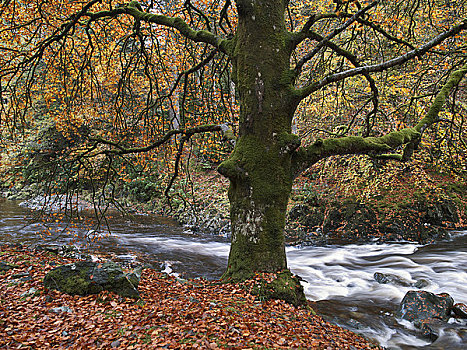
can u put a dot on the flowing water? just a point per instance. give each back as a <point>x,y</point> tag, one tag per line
<point>338,278</point>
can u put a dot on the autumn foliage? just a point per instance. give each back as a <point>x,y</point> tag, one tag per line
<point>129,83</point>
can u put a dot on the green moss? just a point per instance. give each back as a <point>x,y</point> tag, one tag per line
<point>76,284</point>
<point>285,287</point>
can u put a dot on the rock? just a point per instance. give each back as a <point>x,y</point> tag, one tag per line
<point>430,330</point>
<point>87,277</point>
<point>29,293</point>
<point>355,324</point>
<point>135,276</point>
<point>115,344</point>
<point>349,222</point>
<point>422,305</point>
<point>460,310</point>
<point>51,248</point>
<point>388,278</point>
<point>70,251</point>
<point>60,309</point>
<point>6,266</point>
<point>421,283</point>
<point>437,213</point>
<point>428,311</point>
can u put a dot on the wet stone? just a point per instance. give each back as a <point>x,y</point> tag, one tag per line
<point>460,310</point>
<point>421,283</point>
<point>423,305</point>
<point>388,278</point>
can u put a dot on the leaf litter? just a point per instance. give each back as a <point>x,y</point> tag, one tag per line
<point>171,314</point>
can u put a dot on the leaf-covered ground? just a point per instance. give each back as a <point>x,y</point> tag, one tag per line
<point>174,314</point>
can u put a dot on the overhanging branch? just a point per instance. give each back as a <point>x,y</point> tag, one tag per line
<point>118,149</point>
<point>397,61</point>
<point>326,39</point>
<point>133,9</point>
<point>379,146</point>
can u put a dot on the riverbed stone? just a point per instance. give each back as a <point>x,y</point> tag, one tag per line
<point>460,310</point>
<point>423,306</point>
<point>427,311</point>
<point>421,283</point>
<point>389,278</point>
<point>87,277</point>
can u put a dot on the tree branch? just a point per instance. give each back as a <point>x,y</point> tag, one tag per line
<point>118,149</point>
<point>133,9</point>
<point>326,39</point>
<point>307,90</point>
<point>379,146</point>
<point>354,60</point>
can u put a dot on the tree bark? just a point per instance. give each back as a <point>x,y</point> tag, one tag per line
<point>259,168</point>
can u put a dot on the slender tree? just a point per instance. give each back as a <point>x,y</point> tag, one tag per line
<point>276,60</point>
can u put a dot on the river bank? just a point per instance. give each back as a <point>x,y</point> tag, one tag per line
<point>314,218</point>
<point>172,313</point>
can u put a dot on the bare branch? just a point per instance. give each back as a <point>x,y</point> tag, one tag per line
<point>331,35</point>
<point>306,91</point>
<point>120,150</point>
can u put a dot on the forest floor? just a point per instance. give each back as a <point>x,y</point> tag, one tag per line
<point>171,313</point>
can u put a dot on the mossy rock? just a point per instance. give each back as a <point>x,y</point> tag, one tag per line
<point>86,277</point>
<point>285,286</point>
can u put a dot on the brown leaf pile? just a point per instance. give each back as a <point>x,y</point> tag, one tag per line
<point>174,314</point>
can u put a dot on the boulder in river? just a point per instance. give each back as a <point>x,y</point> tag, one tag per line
<point>388,278</point>
<point>425,310</point>
<point>87,277</point>
<point>423,305</point>
<point>460,310</point>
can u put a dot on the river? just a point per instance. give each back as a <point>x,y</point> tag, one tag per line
<point>338,278</point>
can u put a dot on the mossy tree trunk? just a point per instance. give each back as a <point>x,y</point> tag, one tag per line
<point>260,167</point>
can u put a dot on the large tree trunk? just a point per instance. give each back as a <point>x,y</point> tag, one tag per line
<point>259,168</point>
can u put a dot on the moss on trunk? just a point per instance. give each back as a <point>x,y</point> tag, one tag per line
<point>259,169</point>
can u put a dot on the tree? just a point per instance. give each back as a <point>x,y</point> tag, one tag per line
<point>280,53</point>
